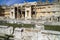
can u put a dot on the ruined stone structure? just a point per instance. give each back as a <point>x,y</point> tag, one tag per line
<point>36,10</point>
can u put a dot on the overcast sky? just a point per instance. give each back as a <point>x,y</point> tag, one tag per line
<point>11,2</point>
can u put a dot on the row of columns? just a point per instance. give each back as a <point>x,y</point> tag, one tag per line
<point>16,15</point>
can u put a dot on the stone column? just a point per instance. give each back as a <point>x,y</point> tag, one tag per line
<point>14,15</point>
<point>21,12</point>
<point>25,13</point>
<point>35,11</point>
<point>17,13</point>
<point>30,12</point>
<point>10,13</point>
